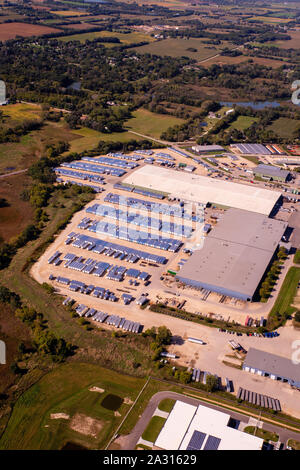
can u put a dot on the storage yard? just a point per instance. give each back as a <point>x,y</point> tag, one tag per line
<point>124,250</point>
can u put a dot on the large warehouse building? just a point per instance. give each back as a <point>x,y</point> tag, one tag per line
<point>235,254</point>
<point>202,189</point>
<point>190,427</point>
<point>273,366</point>
<point>272,173</point>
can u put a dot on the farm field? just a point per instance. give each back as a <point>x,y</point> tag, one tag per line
<point>292,43</point>
<point>21,111</point>
<point>64,407</point>
<point>284,127</point>
<point>89,139</point>
<point>221,60</point>
<point>152,124</point>
<point>129,38</point>
<point>179,48</point>
<point>11,30</point>
<point>68,13</point>
<point>270,19</point>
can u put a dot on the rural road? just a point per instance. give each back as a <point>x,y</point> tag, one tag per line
<point>13,173</point>
<point>130,441</point>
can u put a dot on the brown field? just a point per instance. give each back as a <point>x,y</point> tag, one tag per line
<point>11,30</point>
<point>293,43</point>
<point>15,217</point>
<point>220,60</point>
<point>80,26</point>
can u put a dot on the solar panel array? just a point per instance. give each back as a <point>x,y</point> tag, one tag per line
<point>140,220</point>
<point>79,165</point>
<point>196,441</point>
<point>98,246</point>
<point>143,192</point>
<point>150,206</point>
<point>112,162</point>
<point>258,149</point>
<point>132,235</point>
<point>212,443</point>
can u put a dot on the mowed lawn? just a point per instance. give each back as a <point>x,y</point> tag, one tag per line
<point>179,47</point>
<point>65,392</point>
<point>285,127</point>
<point>87,139</point>
<point>130,38</point>
<point>151,124</point>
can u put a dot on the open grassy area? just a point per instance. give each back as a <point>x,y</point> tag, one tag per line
<point>166,405</point>
<point>180,47</point>
<point>283,304</point>
<point>89,139</point>
<point>297,257</point>
<point>21,111</point>
<point>130,38</point>
<point>153,429</point>
<point>18,213</point>
<point>243,122</point>
<point>285,127</point>
<point>66,390</point>
<point>152,124</point>
<point>266,435</point>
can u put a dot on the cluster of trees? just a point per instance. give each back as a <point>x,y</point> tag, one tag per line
<point>272,274</point>
<point>161,337</point>
<point>13,133</point>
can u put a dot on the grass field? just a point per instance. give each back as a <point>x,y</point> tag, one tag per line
<point>21,111</point>
<point>153,429</point>
<point>66,390</point>
<point>151,124</point>
<point>266,435</point>
<point>286,295</point>
<point>18,214</point>
<point>89,138</point>
<point>11,30</point>
<point>284,127</point>
<point>129,38</point>
<point>166,405</point>
<point>243,122</point>
<point>179,48</point>
<point>68,13</point>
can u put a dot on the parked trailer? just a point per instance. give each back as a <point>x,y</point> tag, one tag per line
<point>277,404</point>
<point>194,374</point>
<point>205,374</point>
<point>239,393</point>
<point>273,404</point>
<point>198,375</point>
<point>196,340</point>
<point>166,354</point>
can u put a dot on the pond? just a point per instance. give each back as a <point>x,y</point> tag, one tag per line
<point>73,446</point>
<point>255,105</point>
<point>112,402</point>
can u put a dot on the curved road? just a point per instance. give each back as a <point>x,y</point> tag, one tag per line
<point>130,441</point>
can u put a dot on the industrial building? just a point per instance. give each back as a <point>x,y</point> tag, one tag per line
<point>235,254</point>
<point>273,366</point>
<point>190,427</point>
<point>202,189</point>
<point>207,148</point>
<point>272,173</point>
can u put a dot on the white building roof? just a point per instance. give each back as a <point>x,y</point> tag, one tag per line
<point>197,188</point>
<point>184,420</point>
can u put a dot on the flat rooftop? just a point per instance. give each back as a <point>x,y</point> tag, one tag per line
<point>272,364</point>
<point>271,170</point>
<point>202,189</point>
<point>235,254</point>
<point>191,427</point>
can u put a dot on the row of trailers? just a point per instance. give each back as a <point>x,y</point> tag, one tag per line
<point>114,320</point>
<point>258,399</point>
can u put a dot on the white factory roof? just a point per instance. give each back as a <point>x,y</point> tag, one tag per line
<point>176,425</point>
<point>187,423</point>
<point>193,187</point>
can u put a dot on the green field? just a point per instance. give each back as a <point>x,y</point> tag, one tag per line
<point>179,48</point>
<point>21,111</point>
<point>152,124</point>
<point>243,122</point>
<point>66,390</point>
<point>283,304</point>
<point>129,38</point>
<point>266,435</point>
<point>153,429</point>
<point>166,405</point>
<point>284,127</point>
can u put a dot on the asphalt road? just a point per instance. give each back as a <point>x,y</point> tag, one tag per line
<point>131,440</point>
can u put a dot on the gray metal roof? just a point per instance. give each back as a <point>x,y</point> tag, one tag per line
<point>272,364</point>
<point>271,170</point>
<point>235,254</point>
